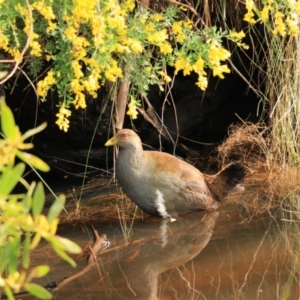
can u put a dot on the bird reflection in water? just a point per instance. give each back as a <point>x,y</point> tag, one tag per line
<point>133,271</point>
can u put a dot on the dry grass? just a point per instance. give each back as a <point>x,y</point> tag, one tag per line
<point>268,185</point>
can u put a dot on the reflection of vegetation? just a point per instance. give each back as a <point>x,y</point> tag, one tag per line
<point>21,220</point>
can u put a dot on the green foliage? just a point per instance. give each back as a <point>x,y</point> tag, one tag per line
<point>87,43</point>
<point>22,224</point>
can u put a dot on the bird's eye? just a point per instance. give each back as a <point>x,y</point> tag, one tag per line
<point>125,136</point>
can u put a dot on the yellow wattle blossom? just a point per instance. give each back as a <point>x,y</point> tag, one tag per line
<point>113,71</point>
<point>297,7</point>
<point>62,118</point>
<point>219,70</point>
<point>36,49</point>
<point>177,27</point>
<point>249,16</point>
<point>158,37</point>
<point>132,108</point>
<point>198,66</point>
<point>184,65</point>
<point>128,5</point>
<point>157,17</point>
<point>76,69</point>
<point>237,37</point>
<point>293,24</point>
<point>136,46</point>
<point>165,48</point>
<point>279,24</point>
<point>217,53</point>
<point>165,76</point>
<point>44,85</point>
<point>265,13</point>
<point>202,82</point>
<point>79,101</point>
<point>150,27</point>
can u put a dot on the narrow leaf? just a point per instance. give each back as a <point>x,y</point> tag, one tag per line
<point>64,255</point>
<point>38,200</point>
<point>40,271</point>
<point>10,178</point>
<point>7,120</point>
<point>38,291</point>
<point>8,293</point>
<point>56,208</point>
<point>26,251</point>
<point>34,131</point>
<point>15,246</point>
<point>68,245</point>
<point>33,161</point>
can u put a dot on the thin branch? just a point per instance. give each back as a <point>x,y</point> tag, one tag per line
<point>17,62</point>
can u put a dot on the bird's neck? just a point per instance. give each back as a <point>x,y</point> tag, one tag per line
<point>131,157</point>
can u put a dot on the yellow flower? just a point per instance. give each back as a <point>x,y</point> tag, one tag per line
<point>132,108</point>
<point>183,64</point>
<point>279,24</point>
<point>36,49</point>
<point>165,48</point>
<point>249,17</point>
<point>199,66</point>
<point>177,27</point>
<point>202,82</point>
<point>44,85</point>
<point>265,13</point>
<point>62,118</point>
<point>113,71</point>
<point>76,68</point>
<point>165,76</point>
<point>217,53</point>
<point>187,24</point>
<point>293,25</point>
<point>136,47</point>
<point>297,7</point>
<point>150,27</point>
<point>157,17</point>
<point>158,36</point>
<point>79,101</point>
<point>219,70</point>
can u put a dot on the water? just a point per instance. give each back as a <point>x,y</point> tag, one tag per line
<point>226,254</point>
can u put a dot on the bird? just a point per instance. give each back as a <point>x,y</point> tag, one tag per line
<point>165,186</point>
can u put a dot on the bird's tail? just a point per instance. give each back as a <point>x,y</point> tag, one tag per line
<point>227,180</point>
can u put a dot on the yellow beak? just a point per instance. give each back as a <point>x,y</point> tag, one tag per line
<point>112,142</point>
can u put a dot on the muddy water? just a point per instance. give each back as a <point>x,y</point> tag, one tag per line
<point>204,255</point>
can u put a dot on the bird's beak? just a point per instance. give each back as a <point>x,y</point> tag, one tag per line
<point>113,141</point>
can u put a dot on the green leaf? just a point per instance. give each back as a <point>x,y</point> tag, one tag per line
<point>26,250</point>
<point>56,208</point>
<point>68,245</point>
<point>3,74</point>
<point>5,255</point>
<point>8,293</point>
<point>33,161</point>
<point>8,124</point>
<point>15,245</point>
<point>34,131</point>
<point>37,291</point>
<point>10,178</point>
<point>64,255</point>
<point>40,271</point>
<point>38,200</point>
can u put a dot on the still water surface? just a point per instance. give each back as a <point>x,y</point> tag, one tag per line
<point>225,254</point>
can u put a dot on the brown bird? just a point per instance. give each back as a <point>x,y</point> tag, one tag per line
<point>165,186</point>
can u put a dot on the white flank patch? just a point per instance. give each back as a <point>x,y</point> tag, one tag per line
<point>160,204</point>
<point>164,233</point>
